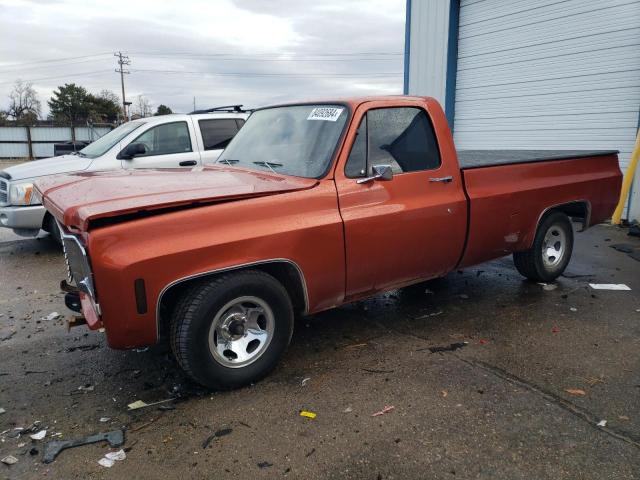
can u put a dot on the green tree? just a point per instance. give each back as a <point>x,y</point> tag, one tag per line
<point>74,104</point>
<point>163,110</point>
<point>70,103</point>
<point>105,107</point>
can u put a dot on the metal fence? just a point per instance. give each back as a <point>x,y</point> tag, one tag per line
<point>37,142</point>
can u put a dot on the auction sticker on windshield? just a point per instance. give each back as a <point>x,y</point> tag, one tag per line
<point>330,114</point>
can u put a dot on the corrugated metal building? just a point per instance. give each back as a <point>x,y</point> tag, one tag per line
<point>558,74</point>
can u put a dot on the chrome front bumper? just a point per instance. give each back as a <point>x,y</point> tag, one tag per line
<point>22,217</point>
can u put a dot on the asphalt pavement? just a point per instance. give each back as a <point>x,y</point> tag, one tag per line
<point>489,376</point>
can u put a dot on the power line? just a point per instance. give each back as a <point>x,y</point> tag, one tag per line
<point>57,65</point>
<point>258,55</point>
<point>259,74</point>
<point>54,60</point>
<point>67,75</point>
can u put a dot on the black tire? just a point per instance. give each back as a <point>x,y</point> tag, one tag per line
<point>531,263</point>
<point>194,315</point>
<point>53,229</point>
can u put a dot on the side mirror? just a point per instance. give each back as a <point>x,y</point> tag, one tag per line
<point>380,172</point>
<point>132,150</point>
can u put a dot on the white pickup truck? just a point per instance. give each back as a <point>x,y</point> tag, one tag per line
<point>168,141</point>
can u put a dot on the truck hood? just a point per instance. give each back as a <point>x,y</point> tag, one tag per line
<point>48,166</point>
<point>77,199</point>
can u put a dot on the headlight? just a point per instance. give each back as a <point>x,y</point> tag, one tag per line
<point>23,194</point>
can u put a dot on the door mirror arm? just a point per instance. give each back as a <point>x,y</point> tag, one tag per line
<point>380,172</point>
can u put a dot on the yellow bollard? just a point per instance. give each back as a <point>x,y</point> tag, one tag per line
<point>626,184</point>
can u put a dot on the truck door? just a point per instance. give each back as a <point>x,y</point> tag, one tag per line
<point>412,226</point>
<point>168,145</point>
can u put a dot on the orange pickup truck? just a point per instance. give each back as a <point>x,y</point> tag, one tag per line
<point>311,206</point>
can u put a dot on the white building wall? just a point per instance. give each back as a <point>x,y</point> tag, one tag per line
<point>428,48</point>
<point>535,73</point>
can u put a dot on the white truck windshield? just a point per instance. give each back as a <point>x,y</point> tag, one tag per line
<point>104,143</point>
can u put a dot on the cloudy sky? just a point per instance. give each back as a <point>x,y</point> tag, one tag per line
<point>253,52</point>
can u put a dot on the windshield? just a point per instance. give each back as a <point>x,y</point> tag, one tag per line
<point>297,140</point>
<point>104,143</point>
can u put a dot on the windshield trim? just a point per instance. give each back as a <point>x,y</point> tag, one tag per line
<point>336,149</point>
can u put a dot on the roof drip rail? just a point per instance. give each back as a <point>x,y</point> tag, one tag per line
<point>226,108</point>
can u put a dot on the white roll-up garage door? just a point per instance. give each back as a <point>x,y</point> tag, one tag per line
<point>549,74</point>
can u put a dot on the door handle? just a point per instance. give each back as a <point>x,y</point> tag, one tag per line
<point>188,163</point>
<point>447,179</point>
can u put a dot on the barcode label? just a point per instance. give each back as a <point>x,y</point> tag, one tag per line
<point>330,114</point>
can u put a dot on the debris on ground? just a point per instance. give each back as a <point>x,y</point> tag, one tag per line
<point>2,410</point>
<point>112,457</point>
<point>623,247</point>
<point>450,348</point>
<point>86,388</point>
<point>265,464</point>
<point>39,435</point>
<point>428,292</point>
<point>594,380</point>
<point>52,316</point>
<point>444,393</point>
<point>634,230</point>
<point>573,309</point>
<point>464,296</point>
<point>306,413</point>
<point>373,370</point>
<point>82,348</point>
<point>555,330</point>
<point>576,392</point>
<point>386,409</point>
<point>308,454</point>
<point>52,449</point>
<point>483,341</point>
<point>434,314</point>
<point>602,423</point>
<point>9,460</point>
<point>104,419</point>
<point>8,336</point>
<point>609,286</point>
<point>213,436</point>
<point>305,381</point>
<point>348,410</point>
<point>548,286</point>
<point>140,404</point>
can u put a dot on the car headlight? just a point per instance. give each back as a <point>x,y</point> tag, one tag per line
<point>23,194</point>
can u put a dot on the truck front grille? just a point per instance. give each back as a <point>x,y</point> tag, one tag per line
<point>4,192</point>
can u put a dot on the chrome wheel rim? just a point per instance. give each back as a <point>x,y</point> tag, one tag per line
<point>554,246</point>
<point>241,331</point>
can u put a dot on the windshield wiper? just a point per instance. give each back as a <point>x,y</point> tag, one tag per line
<point>270,165</point>
<point>228,161</point>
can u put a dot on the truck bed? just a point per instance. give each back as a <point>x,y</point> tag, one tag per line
<point>485,158</point>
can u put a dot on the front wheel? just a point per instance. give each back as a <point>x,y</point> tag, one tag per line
<point>551,250</point>
<point>232,330</point>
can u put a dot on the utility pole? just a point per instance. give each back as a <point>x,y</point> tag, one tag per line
<point>194,104</point>
<point>122,61</point>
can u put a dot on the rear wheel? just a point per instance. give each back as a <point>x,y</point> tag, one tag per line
<point>551,250</point>
<point>232,331</point>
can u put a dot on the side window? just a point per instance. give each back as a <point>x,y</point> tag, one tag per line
<point>403,138</point>
<point>217,134</point>
<point>166,139</point>
<point>357,162</point>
